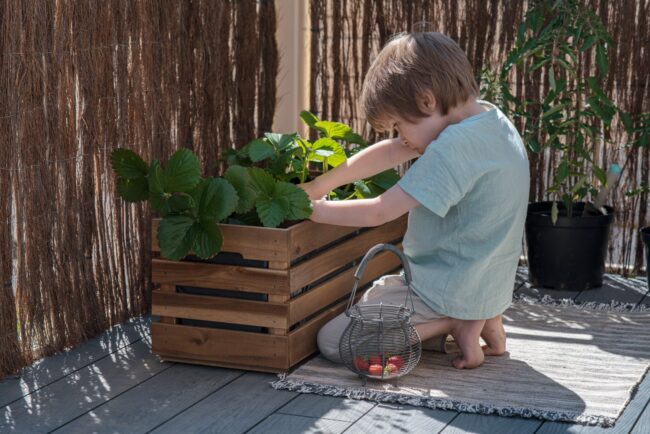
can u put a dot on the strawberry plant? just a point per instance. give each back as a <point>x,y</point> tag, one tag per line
<point>191,206</point>
<point>291,158</point>
<point>258,188</point>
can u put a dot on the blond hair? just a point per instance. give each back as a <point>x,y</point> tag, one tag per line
<point>407,67</point>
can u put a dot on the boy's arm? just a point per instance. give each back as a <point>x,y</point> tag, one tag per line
<point>372,160</point>
<point>364,212</point>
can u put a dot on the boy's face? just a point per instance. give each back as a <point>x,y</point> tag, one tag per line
<point>417,134</point>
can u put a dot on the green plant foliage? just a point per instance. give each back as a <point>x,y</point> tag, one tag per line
<point>575,112</point>
<point>190,206</point>
<point>247,192</point>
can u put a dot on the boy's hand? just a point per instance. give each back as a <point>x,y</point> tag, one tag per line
<point>312,190</point>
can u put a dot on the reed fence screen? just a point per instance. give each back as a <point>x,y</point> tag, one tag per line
<point>80,78</point>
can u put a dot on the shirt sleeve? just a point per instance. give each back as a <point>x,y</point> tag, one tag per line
<point>443,175</point>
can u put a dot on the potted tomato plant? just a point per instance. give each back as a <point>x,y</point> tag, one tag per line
<point>566,235</point>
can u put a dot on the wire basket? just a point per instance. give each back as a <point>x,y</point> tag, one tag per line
<point>380,342</point>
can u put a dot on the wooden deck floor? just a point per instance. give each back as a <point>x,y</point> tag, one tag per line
<point>114,384</point>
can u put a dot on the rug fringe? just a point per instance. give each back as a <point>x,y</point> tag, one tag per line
<point>439,403</point>
<point>547,300</point>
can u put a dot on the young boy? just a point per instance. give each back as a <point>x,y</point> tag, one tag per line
<point>466,195</point>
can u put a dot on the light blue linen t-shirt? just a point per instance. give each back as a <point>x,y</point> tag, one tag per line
<point>464,240</point>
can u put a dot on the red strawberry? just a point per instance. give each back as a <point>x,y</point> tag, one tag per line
<point>375,370</point>
<point>361,364</point>
<point>398,361</point>
<point>391,369</point>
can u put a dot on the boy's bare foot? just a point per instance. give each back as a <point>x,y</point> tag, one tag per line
<point>494,336</point>
<point>466,334</point>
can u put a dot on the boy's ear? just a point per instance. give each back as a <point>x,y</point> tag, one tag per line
<point>427,103</point>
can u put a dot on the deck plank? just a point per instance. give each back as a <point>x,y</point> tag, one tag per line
<point>234,408</point>
<point>403,419</point>
<point>51,369</point>
<point>467,423</point>
<point>163,396</point>
<point>642,425</point>
<point>291,424</point>
<point>54,405</point>
<point>327,407</point>
<point>615,288</point>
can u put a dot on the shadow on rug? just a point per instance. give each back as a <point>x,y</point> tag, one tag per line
<point>565,362</point>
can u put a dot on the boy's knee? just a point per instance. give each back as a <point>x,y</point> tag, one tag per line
<point>328,339</point>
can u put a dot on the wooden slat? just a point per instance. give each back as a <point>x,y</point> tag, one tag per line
<point>260,280</point>
<point>169,289</point>
<point>326,293</point>
<point>286,423</point>
<point>309,236</point>
<point>202,344</point>
<point>382,418</point>
<point>332,259</point>
<point>281,299</point>
<point>328,407</point>
<point>467,423</point>
<point>235,408</point>
<point>252,242</point>
<point>302,341</point>
<point>54,368</point>
<point>52,406</point>
<point>220,309</point>
<point>165,395</point>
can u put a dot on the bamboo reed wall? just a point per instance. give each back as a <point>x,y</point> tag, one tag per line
<point>347,34</point>
<point>80,78</point>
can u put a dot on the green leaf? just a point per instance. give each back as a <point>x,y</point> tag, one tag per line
<point>355,138</point>
<point>386,179</point>
<point>330,149</point>
<point>596,89</point>
<point>553,110</point>
<point>173,237</point>
<point>127,164</point>
<point>589,42</point>
<point>281,141</point>
<point>533,144</point>
<point>554,212</point>
<point>181,202</point>
<point>182,172</point>
<point>333,130</point>
<point>627,121</point>
<point>600,174</point>
<point>299,203</point>
<point>601,60</point>
<point>262,180</point>
<point>206,238</point>
<point>217,199</point>
<point>159,202</point>
<point>272,210</point>
<point>246,191</point>
<point>155,178</point>
<point>309,118</point>
<point>362,189</point>
<point>259,150</point>
<point>133,190</point>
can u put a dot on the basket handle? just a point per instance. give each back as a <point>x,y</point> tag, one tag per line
<point>364,263</point>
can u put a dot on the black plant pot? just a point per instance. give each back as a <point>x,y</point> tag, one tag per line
<point>569,255</point>
<point>645,236</point>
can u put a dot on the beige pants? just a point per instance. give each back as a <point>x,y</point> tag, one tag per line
<point>389,289</point>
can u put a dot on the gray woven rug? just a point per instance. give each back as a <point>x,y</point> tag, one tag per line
<point>566,362</point>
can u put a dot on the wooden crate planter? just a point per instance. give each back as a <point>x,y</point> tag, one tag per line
<point>302,280</point>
